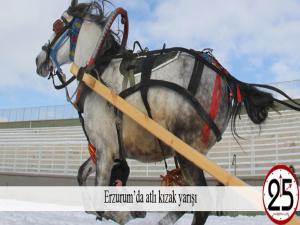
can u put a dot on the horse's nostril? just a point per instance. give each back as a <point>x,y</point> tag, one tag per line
<point>36,61</point>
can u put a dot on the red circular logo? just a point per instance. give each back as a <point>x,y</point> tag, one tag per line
<point>280,194</point>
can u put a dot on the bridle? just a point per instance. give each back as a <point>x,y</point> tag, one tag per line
<point>62,29</point>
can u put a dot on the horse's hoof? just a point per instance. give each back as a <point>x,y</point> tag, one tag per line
<point>138,214</point>
<point>99,216</point>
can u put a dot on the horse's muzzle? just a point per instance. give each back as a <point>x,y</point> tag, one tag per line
<point>43,64</point>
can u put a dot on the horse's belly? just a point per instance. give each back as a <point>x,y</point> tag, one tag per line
<point>140,144</point>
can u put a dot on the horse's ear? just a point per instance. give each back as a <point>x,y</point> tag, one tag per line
<point>74,3</point>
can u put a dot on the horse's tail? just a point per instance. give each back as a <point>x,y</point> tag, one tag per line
<point>258,102</point>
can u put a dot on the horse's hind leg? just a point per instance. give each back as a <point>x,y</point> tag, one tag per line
<point>194,177</point>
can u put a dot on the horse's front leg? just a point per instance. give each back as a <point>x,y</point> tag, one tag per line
<point>85,170</point>
<point>171,218</point>
<point>104,166</point>
<point>105,161</point>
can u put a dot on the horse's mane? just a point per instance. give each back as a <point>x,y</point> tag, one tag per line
<point>93,12</point>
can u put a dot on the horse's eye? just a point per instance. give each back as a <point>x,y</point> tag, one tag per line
<point>58,26</point>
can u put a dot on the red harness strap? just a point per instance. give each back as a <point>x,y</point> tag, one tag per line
<point>215,105</point>
<point>239,95</point>
<point>92,151</point>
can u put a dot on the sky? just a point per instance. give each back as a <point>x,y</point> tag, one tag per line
<point>257,41</point>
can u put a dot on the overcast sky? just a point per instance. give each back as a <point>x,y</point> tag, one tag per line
<point>257,40</point>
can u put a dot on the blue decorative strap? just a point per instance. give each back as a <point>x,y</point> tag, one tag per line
<point>74,32</point>
<point>73,35</point>
<point>53,53</point>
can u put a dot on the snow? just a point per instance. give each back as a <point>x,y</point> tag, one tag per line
<point>81,218</point>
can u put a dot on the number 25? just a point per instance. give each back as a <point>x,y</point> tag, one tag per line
<point>285,192</point>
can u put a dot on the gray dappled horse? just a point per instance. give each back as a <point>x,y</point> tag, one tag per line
<point>187,92</point>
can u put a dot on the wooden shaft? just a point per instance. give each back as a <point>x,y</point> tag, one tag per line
<point>160,132</point>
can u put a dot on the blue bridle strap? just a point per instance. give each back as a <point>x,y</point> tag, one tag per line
<point>73,35</point>
<point>53,53</point>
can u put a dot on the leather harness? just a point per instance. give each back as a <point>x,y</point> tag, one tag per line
<point>189,94</point>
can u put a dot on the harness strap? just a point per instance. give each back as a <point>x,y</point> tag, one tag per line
<point>120,141</point>
<point>239,95</point>
<point>185,93</point>
<point>64,83</point>
<point>196,76</point>
<point>91,148</point>
<point>81,119</point>
<point>93,152</point>
<point>215,105</point>
<point>146,76</point>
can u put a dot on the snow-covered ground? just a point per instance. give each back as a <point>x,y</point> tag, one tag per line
<point>80,218</point>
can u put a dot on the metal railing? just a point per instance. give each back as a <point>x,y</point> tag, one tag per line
<point>292,88</point>
<point>38,113</point>
<point>60,151</point>
<point>68,112</point>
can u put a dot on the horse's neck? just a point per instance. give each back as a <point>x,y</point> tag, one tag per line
<point>112,75</point>
<point>108,67</point>
<point>86,43</point>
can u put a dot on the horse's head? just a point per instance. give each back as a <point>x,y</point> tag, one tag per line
<point>78,29</point>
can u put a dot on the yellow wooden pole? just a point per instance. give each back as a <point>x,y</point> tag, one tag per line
<point>164,135</point>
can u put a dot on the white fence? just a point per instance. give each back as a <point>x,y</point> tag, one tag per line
<point>60,151</point>
<point>275,142</point>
